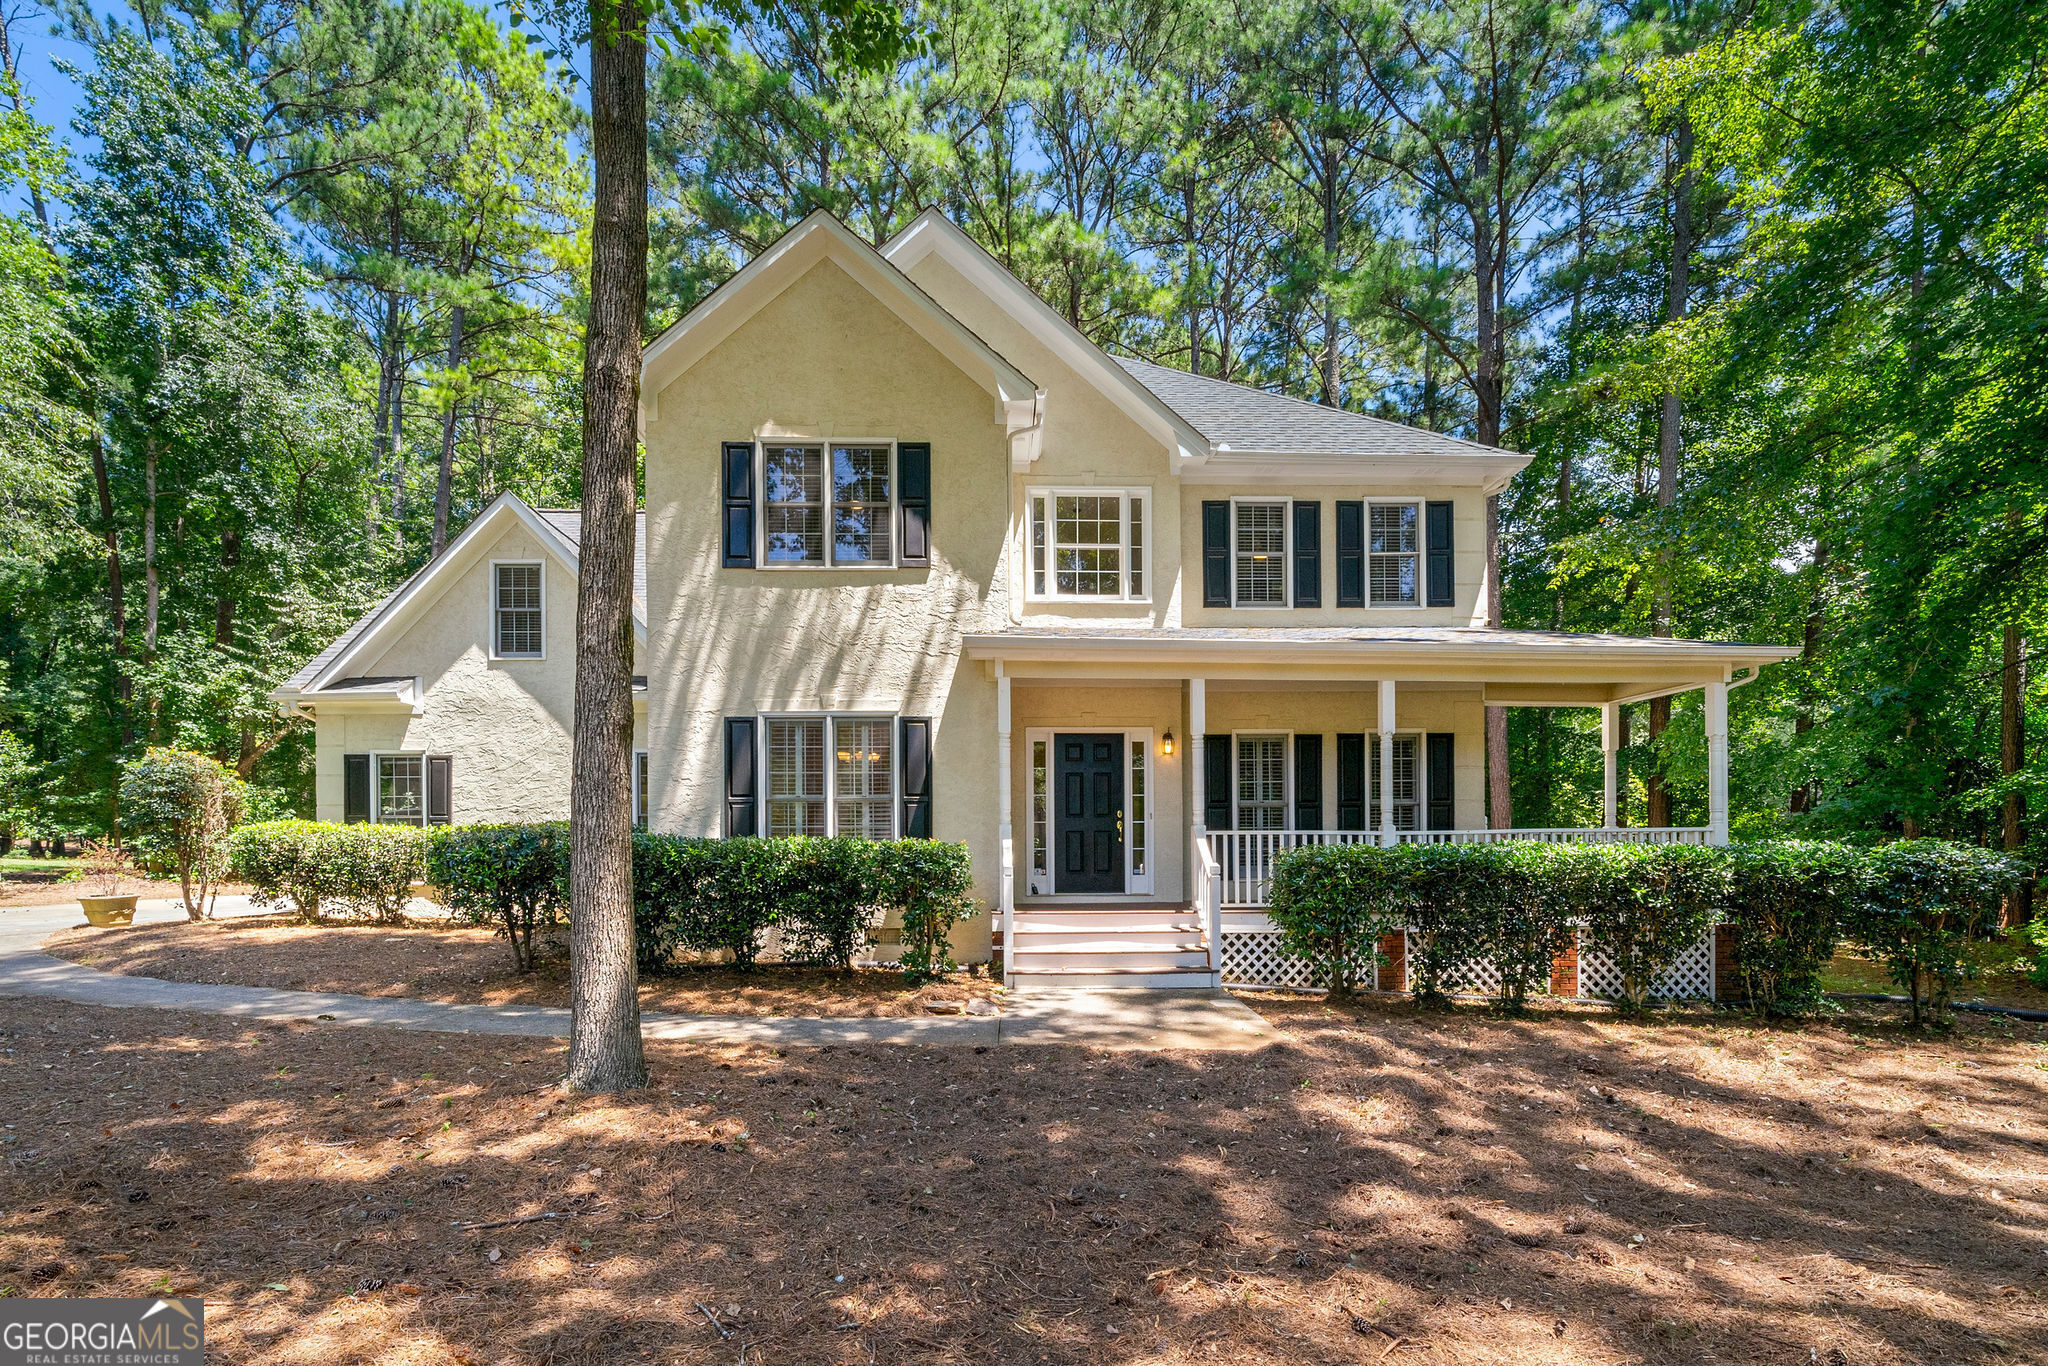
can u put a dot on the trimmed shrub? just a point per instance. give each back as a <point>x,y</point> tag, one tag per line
<point>1785,900</point>
<point>1332,903</point>
<point>513,878</point>
<point>1643,905</point>
<point>183,804</point>
<point>318,868</point>
<point>932,885</point>
<point>1917,905</point>
<point>1498,903</point>
<point>827,898</point>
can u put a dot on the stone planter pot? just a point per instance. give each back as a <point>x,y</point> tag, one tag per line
<point>107,911</point>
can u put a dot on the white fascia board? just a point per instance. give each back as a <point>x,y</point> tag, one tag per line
<point>931,231</point>
<point>1490,472</point>
<point>821,237</point>
<point>400,612</point>
<point>1665,653</point>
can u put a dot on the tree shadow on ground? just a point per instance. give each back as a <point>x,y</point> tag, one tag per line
<point>1377,1186</point>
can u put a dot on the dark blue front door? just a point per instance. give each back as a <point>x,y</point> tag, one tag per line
<point>1089,776</point>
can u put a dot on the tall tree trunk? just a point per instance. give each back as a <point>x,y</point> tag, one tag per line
<point>1809,655</point>
<point>1189,238</point>
<point>151,596</point>
<point>1675,302</point>
<point>444,483</point>
<point>224,602</point>
<point>7,61</point>
<point>382,439</point>
<point>1486,393</point>
<point>604,1032</point>
<point>117,604</point>
<point>1331,371</point>
<point>2012,757</point>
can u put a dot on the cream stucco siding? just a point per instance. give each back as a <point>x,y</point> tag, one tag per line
<point>505,722</point>
<point>823,359</point>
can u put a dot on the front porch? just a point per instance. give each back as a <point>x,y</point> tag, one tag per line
<point>1160,772</point>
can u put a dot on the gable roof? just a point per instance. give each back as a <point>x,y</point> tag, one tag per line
<point>821,237</point>
<point>560,532</point>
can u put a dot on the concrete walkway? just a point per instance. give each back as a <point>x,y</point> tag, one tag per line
<point>1120,1019</point>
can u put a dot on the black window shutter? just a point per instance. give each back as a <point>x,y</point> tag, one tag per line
<point>440,773</point>
<point>1308,782</point>
<point>1351,781</point>
<point>1437,525</point>
<point>1216,767</point>
<point>1443,781</point>
<point>917,777</point>
<point>1308,554</point>
<point>739,504</point>
<point>1216,553</point>
<point>741,812</point>
<point>355,787</point>
<point>1351,554</point>
<point>914,500</point>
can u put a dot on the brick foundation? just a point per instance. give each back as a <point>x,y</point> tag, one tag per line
<point>1564,970</point>
<point>1394,972</point>
<point>1727,969</point>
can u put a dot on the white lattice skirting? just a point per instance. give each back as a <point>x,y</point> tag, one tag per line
<point>1254,958</point>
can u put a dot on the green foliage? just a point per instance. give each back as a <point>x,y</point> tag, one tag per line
<point>722,896</point>
<point>1917,905</point>
<point>183,804</point>
<point>320,869</point>
<point>513,878</point>
<point>1786,900</point>
<point>1332,904</point>
<point>2037,935</point>
<point>1644,905</point>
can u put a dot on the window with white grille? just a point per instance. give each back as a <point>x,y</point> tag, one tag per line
<point>1088,544</point>
<point>1260,538</point>
<point>1393,554</point>
<point>517,608</point>
<point>1262,782</point>
<point>862,783</point>
<point>827,503</point>
<point>401,788</point>
<point>1407,782</point>
<point>846,788</point>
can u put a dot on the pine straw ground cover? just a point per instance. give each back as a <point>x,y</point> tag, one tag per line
<point>55,887</point>
<point>1378,1186</point>
<point>458,963</point>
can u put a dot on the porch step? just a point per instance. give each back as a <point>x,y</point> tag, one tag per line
<point>1156,979</point>
<point>1031,933</point>
<point>1098,957</point>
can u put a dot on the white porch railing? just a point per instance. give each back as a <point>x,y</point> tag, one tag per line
<point>1245,857</point>
<point>1209,906</point>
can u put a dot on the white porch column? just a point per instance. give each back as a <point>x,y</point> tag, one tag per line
<point>1717,763</point>
<point>1198,772</point>
<point>1006,887</point>
<point>1385,721</point>
<point>1610,745</point>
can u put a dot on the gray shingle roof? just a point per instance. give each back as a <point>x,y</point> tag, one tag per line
<point>1248,419</point>
<point>569,521</point>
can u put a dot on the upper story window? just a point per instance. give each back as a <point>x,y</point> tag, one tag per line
<point>1394,553</point>
<point>1089,544</point>
<point>516,611</point>
<point>826,503</point>
<point>1259,546</point>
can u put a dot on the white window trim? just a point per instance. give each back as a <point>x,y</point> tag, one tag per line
<point>377,758</point>
<point>1286,738</point>
<point>1286,558</point>
<point>825,444</point>
<point>831,720</point>
<point>1372,795</point>
<point>1123,494</point>
<point>542,566</point>
<point>1135,884</point>
<point>1421,555</point>
<point>640,782</point>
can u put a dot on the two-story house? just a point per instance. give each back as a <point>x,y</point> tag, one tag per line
<point>918,558</point>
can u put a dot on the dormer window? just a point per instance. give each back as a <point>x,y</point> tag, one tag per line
<point>1089,544</point>
<point>516,611</point>
<point>826,503</point>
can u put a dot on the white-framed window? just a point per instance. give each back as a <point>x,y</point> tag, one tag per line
<point>830,775</point>
<point>1140,782</point>
<point>640,789</point>
<point>1259,795</point>
<point>827,503</point>
<point>1258,552</point>
<point>1408,793</point>
<point>1393,554</point>
<point>518,610</point>
<point>399,795</point>
<point>1090,544</point>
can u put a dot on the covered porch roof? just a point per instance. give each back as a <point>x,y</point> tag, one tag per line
<point>1512,668</point>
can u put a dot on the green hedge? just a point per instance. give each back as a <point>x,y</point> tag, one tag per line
<point>512,878</point>
<point>1912,904</point>
<point>318,869</point>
